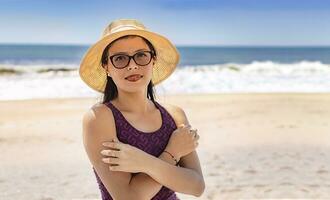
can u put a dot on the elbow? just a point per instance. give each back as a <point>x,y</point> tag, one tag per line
<point>200,189</point>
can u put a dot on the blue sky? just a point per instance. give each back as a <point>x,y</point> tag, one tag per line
<point>184,22</point>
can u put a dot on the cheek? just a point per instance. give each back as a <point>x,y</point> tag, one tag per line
<point>115,73</point>
<point>148,70</point>
<point>148,74</point>
<point>117,77</point>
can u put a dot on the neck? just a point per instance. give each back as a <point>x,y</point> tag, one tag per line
<point>133,102</point>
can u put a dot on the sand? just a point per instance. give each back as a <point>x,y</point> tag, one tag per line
<point>252,146</point>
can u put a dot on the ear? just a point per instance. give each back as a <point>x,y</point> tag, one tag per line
<point>105,67</point>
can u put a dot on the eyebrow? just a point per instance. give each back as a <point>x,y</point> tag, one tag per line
<point>127,52</point>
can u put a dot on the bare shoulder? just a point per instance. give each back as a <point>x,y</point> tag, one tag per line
<point>99,126</point>
<point>97,114</point>
<point>177,113</point>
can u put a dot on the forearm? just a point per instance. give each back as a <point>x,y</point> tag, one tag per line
<point>179,179</point>
<point>146,186</point>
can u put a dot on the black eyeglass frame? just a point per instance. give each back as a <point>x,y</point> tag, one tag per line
<point>131,57</point>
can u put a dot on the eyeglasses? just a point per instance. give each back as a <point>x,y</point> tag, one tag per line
<point>121,61</point>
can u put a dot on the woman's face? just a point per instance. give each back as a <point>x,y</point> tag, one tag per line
<point>129,46</point>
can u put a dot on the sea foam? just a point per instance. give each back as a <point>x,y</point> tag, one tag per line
<point>62,80</point>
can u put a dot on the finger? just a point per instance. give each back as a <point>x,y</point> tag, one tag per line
<point>116,145</point>
<point>109,152</point>
<point>193,133</point>
<point>185,126</point>
<point>114,168</point>
<point>181,126</point>
<point>196,144</point>
<point>196,138</point>
<point>105,152</point>
<point>188,126</point>
<point>111,160</point>
<point>193,130</point>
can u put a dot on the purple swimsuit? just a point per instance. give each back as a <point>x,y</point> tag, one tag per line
<point>153,143</point>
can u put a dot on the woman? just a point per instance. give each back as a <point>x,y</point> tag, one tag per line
<point>139,149</point>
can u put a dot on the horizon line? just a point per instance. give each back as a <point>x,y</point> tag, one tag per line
<point>177,45</point>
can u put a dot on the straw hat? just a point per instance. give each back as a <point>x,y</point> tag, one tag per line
<point>95,76</point>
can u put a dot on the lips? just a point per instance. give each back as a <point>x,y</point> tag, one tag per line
<point>134,77</point>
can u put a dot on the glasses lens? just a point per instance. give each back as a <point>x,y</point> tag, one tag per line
<point>142,58</point>
<point>120,61</point>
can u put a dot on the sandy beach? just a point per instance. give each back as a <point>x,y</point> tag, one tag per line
<point>252,146</point>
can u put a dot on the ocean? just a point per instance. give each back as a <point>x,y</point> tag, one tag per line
<point>51,71</point>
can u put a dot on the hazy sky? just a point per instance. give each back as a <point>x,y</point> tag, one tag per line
<point>184,22</point>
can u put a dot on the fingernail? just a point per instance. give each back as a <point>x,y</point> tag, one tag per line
<point>105,143</point>
<point>105,160</point>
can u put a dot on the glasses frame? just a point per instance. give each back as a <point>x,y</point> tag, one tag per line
<point>130,57</point>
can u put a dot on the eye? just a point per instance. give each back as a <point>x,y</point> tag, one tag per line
<point>141,54</point>
<point>119,58</point>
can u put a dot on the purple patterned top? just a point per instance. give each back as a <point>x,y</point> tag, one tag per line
<point>153,143</point>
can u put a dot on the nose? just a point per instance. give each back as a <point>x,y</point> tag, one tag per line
<point>132,65</point>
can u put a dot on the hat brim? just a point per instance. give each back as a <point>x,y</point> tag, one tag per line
<point>94,75</point>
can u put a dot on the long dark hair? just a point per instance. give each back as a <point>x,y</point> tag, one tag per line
<point>111,91</point>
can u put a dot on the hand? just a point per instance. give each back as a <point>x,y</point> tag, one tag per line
<point>183,141</point>
<point>124,157</point>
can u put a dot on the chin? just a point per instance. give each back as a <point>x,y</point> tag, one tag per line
<point>135,87</point>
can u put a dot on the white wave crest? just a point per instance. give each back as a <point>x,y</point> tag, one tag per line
<point>268,76</point>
